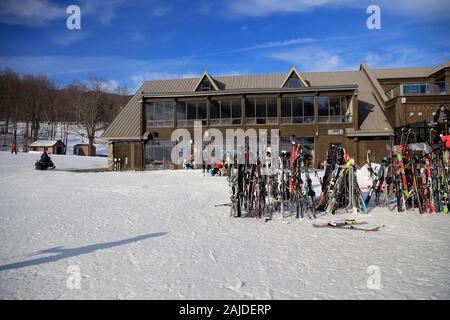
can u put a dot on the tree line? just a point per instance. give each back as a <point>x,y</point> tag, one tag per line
<point>33,99</point>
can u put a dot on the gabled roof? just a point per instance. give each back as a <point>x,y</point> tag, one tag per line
<point>44,143</point>
<point>298,74</point>
<point>371,97</point>
<point>443,65</point>
<point>399,73</point>
<point>127,125</point>
<point>373,79</point>
<point>370,114</point>
<point>208,76</point>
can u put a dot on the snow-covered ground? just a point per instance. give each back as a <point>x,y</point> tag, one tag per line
<point>157,235</point>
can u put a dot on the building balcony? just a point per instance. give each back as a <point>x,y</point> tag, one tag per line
<point>419,89</point>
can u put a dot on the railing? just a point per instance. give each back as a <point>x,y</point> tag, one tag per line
<point>267,120</point>
<point>159,123</point>
<point>226,121</point>
<point>190,123</point>
<point>422,88</point>
<point>296,120</point>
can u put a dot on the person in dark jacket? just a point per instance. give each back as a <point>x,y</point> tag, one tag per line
<point>44,157</point>
<point>442,119</point>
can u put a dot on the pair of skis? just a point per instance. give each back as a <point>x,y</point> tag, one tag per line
<point>348,224</point>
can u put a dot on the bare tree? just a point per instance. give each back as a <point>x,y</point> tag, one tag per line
<point>34,99</point>
<point>9,90</point>
<point>90,106</point>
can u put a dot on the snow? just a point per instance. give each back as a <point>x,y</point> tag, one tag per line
<point>157,235</point>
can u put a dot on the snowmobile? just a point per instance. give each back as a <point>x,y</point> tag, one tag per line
<point>44,164</point>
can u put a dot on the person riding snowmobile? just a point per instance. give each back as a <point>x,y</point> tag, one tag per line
<point>44,157</point>
<point>44,162</point>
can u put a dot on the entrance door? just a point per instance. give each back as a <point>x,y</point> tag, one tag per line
<point>130,155</point>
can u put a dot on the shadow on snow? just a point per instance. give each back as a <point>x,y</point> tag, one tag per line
<point>62,253</point>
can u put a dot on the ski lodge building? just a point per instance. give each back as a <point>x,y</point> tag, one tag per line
<point>358,109</point>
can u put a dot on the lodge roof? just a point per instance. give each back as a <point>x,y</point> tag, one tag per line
<point>371,97</point>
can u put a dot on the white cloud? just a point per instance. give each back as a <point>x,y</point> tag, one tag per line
<point>37,13</point>
<point>105,11</point>
<point>33,13</point>
<point>69,37</point>
<point>160,11</point>
<point>111,85</point>
<point>275,44</point>
<point>430,9</point>
<point>138,78</point>
<point>266,45</point>
<point>268,7</point>
<point>404,56</point>
<point>313,59</point>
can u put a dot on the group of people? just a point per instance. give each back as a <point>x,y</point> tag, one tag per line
<point>219,168</point>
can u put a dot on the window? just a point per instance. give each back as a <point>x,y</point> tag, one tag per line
<point>205,85</point>
<point>416,88</point>
<point>158,154</point>
<point>441,87</point>
<point>261,111</point>
<point>225,112</point>
<point>293,82</point>
<point>159,114</point>
<point>333,109</point>
<point>189,111</point>
<point>297,110</point>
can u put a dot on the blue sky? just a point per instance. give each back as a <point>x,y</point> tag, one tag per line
<point>126,42</point>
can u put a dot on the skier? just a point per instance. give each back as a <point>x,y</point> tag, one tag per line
<point>441,120</point>
<point>13,148</point>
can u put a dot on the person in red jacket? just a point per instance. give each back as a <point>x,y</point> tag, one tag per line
<point>13,148</point>
<point>446,141</point>
<point>217,168</point>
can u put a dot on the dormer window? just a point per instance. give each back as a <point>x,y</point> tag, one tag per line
<point>293,82</point>
<point>294,79</point>
<point>205,85</point>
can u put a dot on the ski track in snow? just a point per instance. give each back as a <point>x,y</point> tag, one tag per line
<point>157,235</point>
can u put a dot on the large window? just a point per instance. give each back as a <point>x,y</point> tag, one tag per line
<point>189,111</point>
<point>261,111</point>
<point>297,110</point>
<point>334,109</point>
<point>159,114</point>
<point>158,154</point>
<point>225,112</point>
<point>416,88</point>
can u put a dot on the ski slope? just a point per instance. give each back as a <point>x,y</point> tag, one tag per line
<point>157,235</point>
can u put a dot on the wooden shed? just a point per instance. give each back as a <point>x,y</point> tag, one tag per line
<point>82,149</point>
<point>51,146</point>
